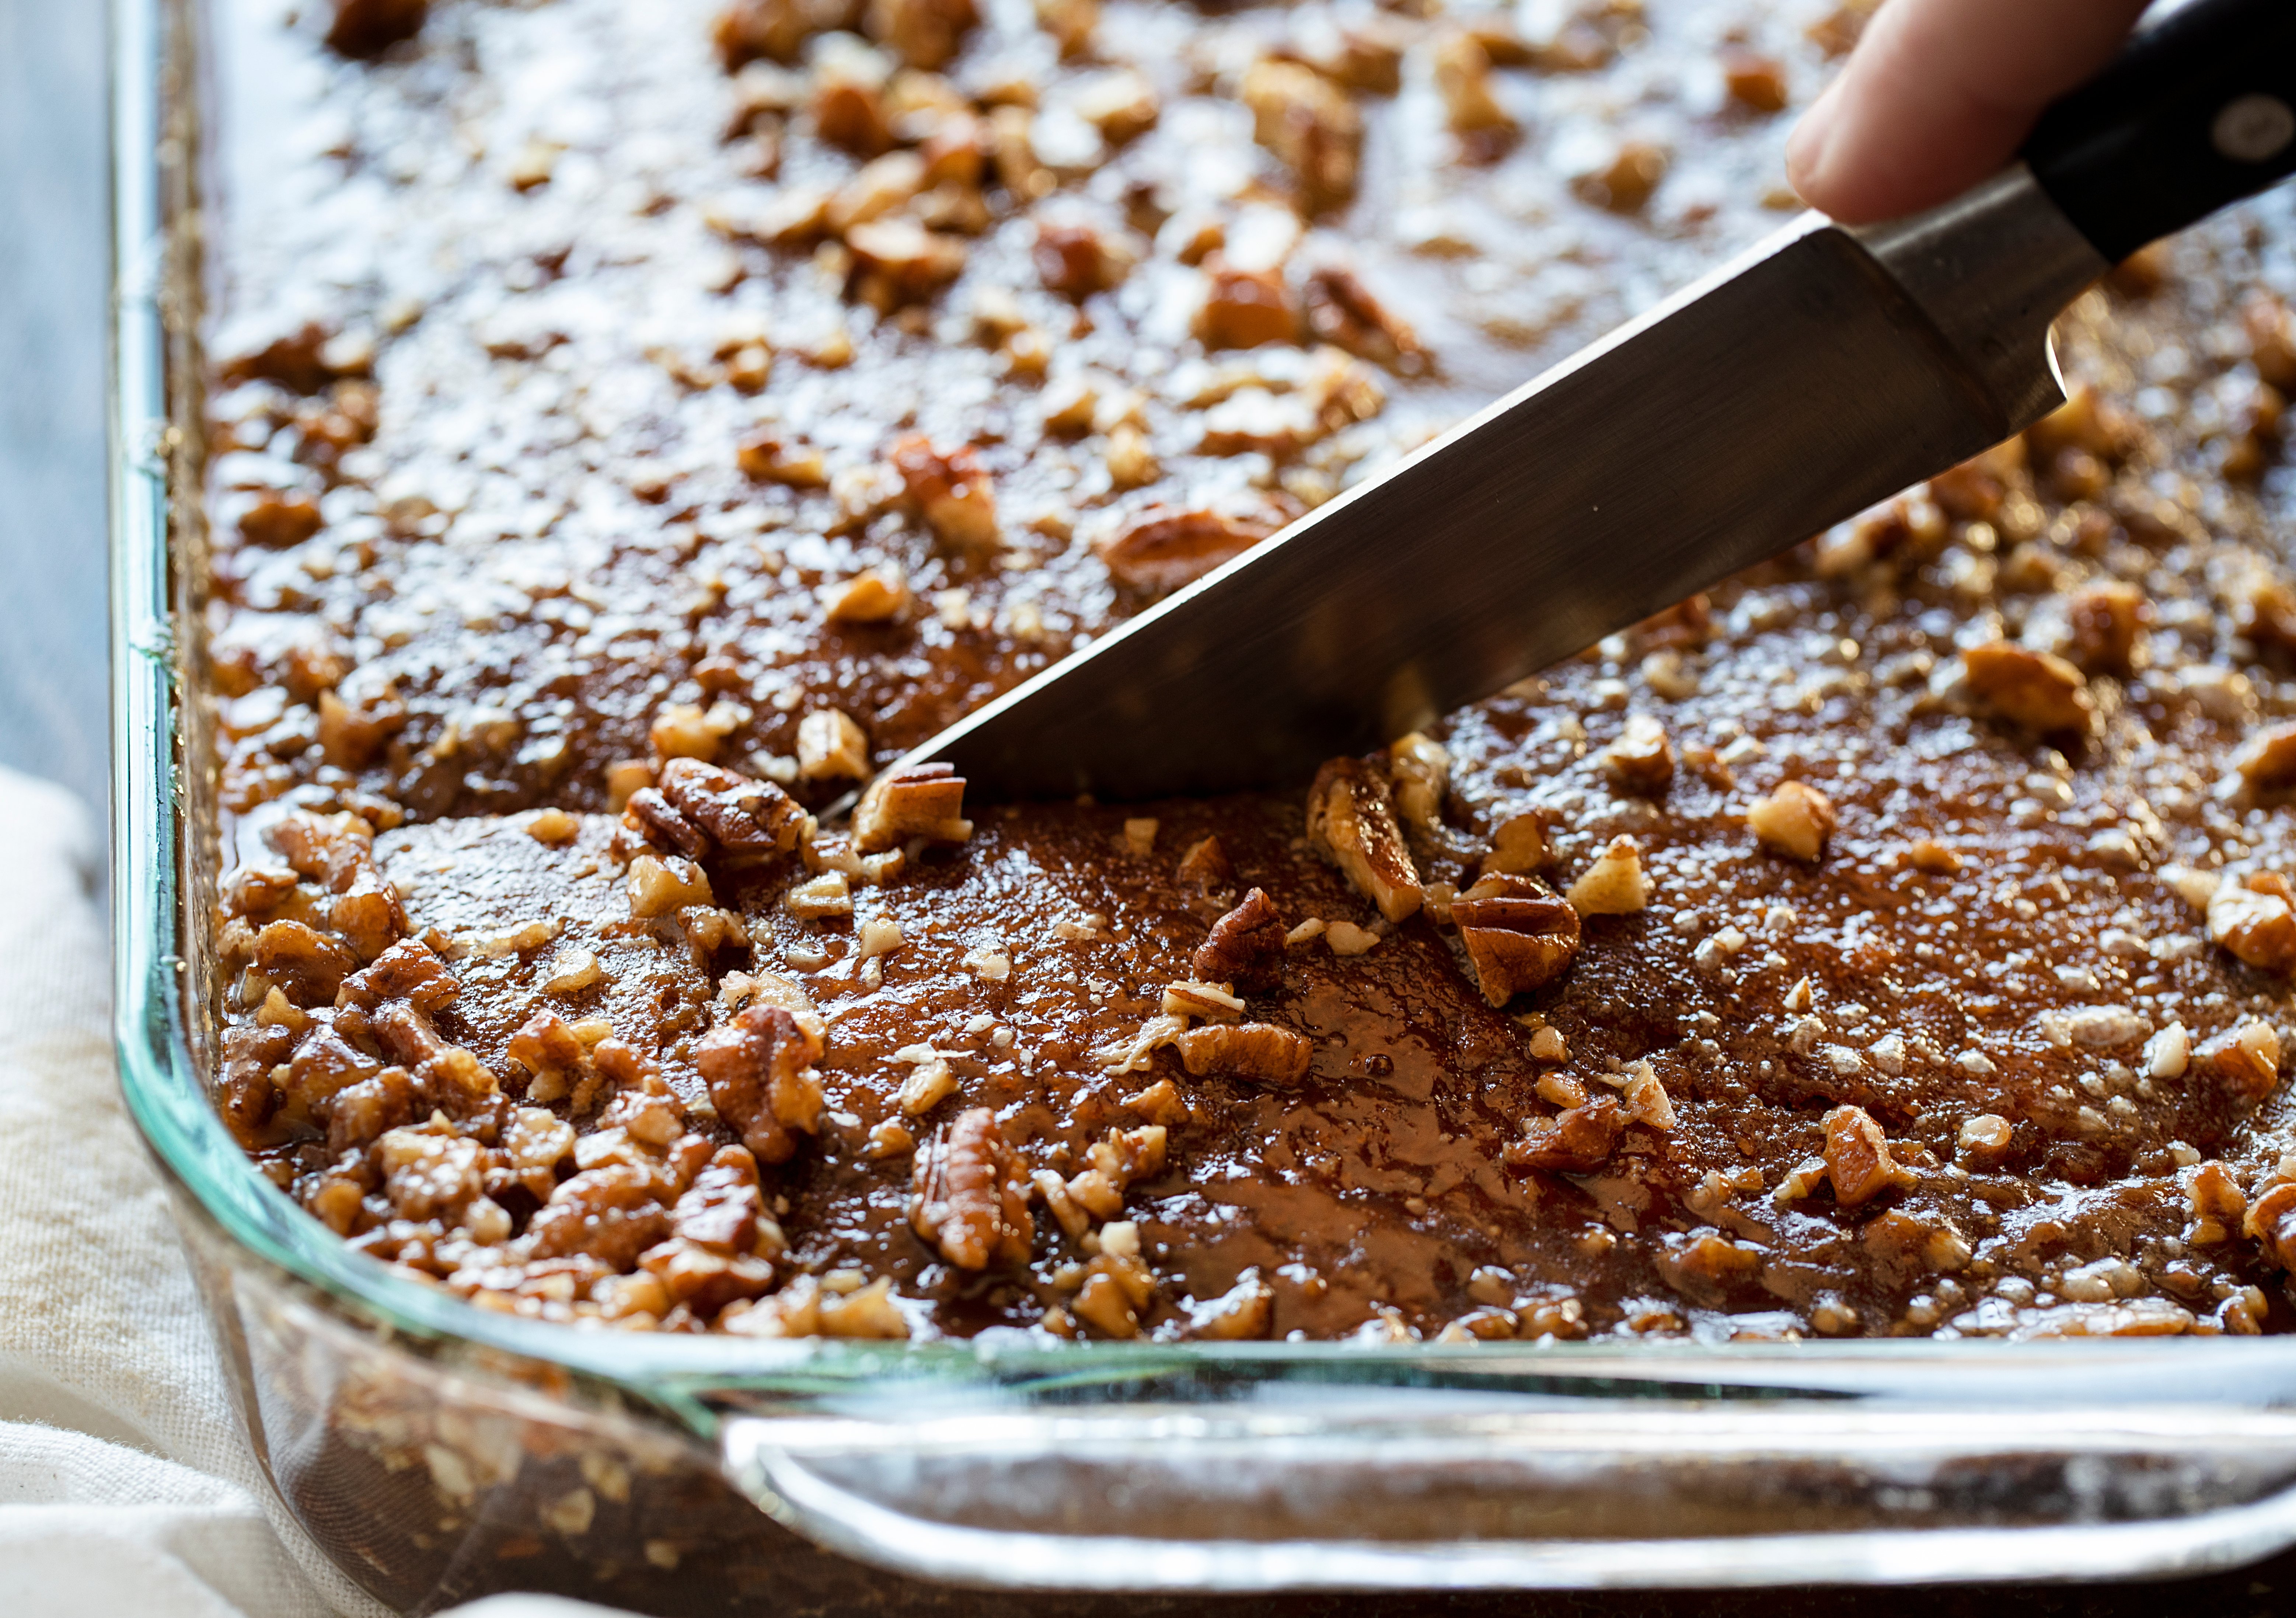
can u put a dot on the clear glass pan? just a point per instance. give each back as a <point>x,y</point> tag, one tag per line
<point>439,1452</point>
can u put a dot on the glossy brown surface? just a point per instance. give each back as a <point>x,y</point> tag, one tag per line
<point>1897,1003</point>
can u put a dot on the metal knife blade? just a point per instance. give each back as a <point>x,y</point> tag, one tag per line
<point>1817,374</point>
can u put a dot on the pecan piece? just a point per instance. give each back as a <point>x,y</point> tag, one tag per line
<point>722,1208</point>
<point>1311,127</point>
<point>305,963</point>
<point>1795,820</point>
<point>2255,918</point>
<point>2271,1223</point>
<point>1244,308</point>
<point>925,33</point>
<point>917,801</point>
<point>755,1065</point>
<point>1351,821</point>
<point>1245,947</point>
<point>1857,1161</point>
<point>2245,1060</point>
<point>1077,261</point>
<point>1164,547</point>
<point>406,971</point>
<point>1577,1140</point>
<point>1421,769</point>
<point>742,816</point>
<point>1206,864</point>
<point>608,1212</point>
<point>659,822</point>
<point>1520,933</point>
<point>969,1200</point>
<point>2106,619</point>
<point>898,261</point>
<point>1341,311</point>
<point>1258,1051</point>
<point>774,29</point>
<point>2267,761</point>
<point>2036,691</point>
<point>1642,759</point>
<point>367,28</point>
<point>278,520</point>
<point>949,490</point>
<point>244,1092</point>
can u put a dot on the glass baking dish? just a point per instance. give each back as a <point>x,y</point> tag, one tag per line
<point>437,1451</point>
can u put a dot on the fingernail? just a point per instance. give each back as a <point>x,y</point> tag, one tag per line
<point>1806,146</point>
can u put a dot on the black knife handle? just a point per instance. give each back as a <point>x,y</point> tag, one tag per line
<point>2198,111</point>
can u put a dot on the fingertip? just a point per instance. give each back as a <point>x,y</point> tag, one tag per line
<point>1806,147</point>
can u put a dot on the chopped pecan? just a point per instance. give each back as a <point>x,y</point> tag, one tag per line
<point>1245,947</point>
<point>831,746</point>
<point>771,457</point>
<point>1756,82</point>
<point>704,1279</point>
<point>951,491</point>
<point>2266,762</point>
<point>1341,311</point>
<point>2245,1060</point>
<point>1206,864</point>
<point>774,30</point>
<point>1421,769</point>
<point>1462,79</point>
<point>969,1200</point>
<point>407,971</point>
<point>277,520</point>
<point>1518,847</point>
<point>2105,619</point>
<point>2038,690</point>
<point>917,801</point>
<point>365,1110</point>
<point>1577,1140</point>
<point>658,819</point>
<point>1642,759</point>
<point>722,1207</point>
<point>1794,820</point>
<point>1857,1161</point>
<point>848,104</point>
<point>1520,933</point>
<point>1311,127</point>
<point>1243,1312</point>
<point>367,28</point>
<point>2255,918</point>
<point>925,33</point>
<point>664,886</point>
<point>244,1092</point>
<point>1259,1051</point>
<point>1351,821</point>
<point>330,849</point>
<point>1077,260</point>
<point>755,1065</point>
<point>610,1212</point>
<point>1244,308</point>
<point>1625,183</point>
<point>306,963</point>
<point>896,261</point>
<point>1615,885</point>
<point>1163,547</point>
<point>2271,340</point>
<point>740,814</point>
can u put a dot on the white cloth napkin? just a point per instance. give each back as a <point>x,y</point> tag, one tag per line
<point>125,1485</point>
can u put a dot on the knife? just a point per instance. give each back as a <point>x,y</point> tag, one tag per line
<point>1823,370</point>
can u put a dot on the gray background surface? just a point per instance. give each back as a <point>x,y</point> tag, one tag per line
<point>54,264</point>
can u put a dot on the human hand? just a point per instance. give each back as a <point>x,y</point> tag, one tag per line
<point>1939,94</point>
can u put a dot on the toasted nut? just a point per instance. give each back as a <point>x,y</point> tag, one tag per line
<point>1243,1312</point>
<point>1794,820</point>
<point>1519,932</point>
<point>1351,822</point>
<point>2035,690</point>
<point>2245,1061</point>
<point>1131,459</point>
<point>1311,127</point>
<point>775,30</point>
<point>2267,761</point>
<point>1077,260</point>
<point>1857,1161</point>
<point>922,800</point>
<point>1614,884</point>
<point>1462,79</point>
<point>1756,82</point>
<point>1244,308</point>
<point>1204,1002</point>
<point>1927,854</point>
<point>1578,1140</point>
<point>1164,547</point>
<point>741,817</point>
<point>831,747</point>
<point>2256,920</point>
<point>1259,1051</point>
<point>1624,183</point>
<point>2106,619</point>
<point>664,886</point>
<point>770,458</point>
<point>1517,848</point>
<point>969,1200</point>
<point>1642,759</point>
<point>554,828</point>
<point>950,491</point>
<point>755,1067</point>
<point>830,894</point>
<point>1983,1139</point>
<point>925,33</point>
<point>1245,947</point>
<point>1341,311</point>
<point>877,596</point>
<point>898,261</point>
<point>654,815</point>
<point>1421,769</point>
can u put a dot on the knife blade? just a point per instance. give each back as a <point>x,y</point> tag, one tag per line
<point>1822,371</point>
